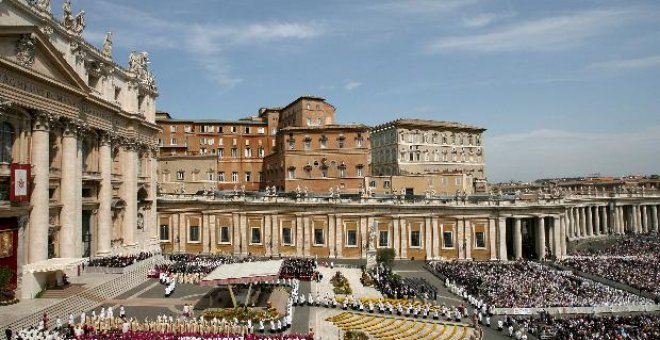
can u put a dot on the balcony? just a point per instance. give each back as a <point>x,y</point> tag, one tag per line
<point>94,176</point>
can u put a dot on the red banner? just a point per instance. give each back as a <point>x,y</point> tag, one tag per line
<point>19,188</point>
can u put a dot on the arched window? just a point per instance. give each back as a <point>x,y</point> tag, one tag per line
<point>7,140</point>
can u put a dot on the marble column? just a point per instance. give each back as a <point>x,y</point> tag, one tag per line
<point>339,239</point>
<point>428,243</point>
<point>205,234</point>
<point>69,229</point>
<point>501,228</point>
<point>556,236</point>
<point>275,222</point>
<point>597,225</point>
<point>622,220</point>
<point>540,238</point>
<point>654,218</point>
<point>582,221</point>
<point>590,221</point>
<point>437,238</point>
<point>404,238</point>
<point>563,223</point>
<point>129,177</point>
<point>603,221</point>
<point>644,217</point>
<point>39,200</point>
<point>268,244</point>
<point>571,224</point>
<point>517,238</point>
<point>396,237</point>
<point>299,235</point>
<point>332,233</point>
<point>307,245</point>
<point>469,236</point>
<point>460,238</point>
<point>492,238</point>
<point>105,195</point>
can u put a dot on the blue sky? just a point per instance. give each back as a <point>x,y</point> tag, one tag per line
<point>565,88</point>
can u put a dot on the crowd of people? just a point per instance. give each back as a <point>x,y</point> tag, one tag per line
<point>119,261</point>
<point>301,269</point>
<point>601,327</point>
<point>525,284</point>
<point>641,274</point>
<point>190,268</point>
<point>634,245</point>
<point>393,286</point>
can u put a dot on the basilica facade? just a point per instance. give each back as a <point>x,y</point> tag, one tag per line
<point>79,140</point>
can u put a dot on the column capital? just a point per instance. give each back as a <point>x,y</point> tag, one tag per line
<point>41,120</point>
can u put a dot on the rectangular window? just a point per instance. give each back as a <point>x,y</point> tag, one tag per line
<point>173,141</point>
<point>172,128</point>
<point>247,129</point>
<point>342,172</point>
<point>233,129</point>
<point>324,143</point>
<point>309,121</point>
<point>307,144</point>
<point>292,144</point>
<point>234,176</point>
<point>221,152</point>
<point>234,153</point>
<point>248,176</point>
<point>383,238</point>
<point>179,175</point>
<point>286,236</point>
<point>261,152</point>
<point>292,173</point>
<point>224,235</point>
<point>415,240</point>
<point>386,184</point>
<point>248,153</point>
<point>255,235</point>
<point>187,128</point>
<point>261,130</point>
<point>351,237</point>
<point>447,240</point>
<point>358,142</point>
<point>193,233</point>
<point>318,237</point>
<point>458,181</point>
<point>221,176</point>
<point>210,176</point>
<point>480,239</point>
<point>164,232</point>
<point>340,143</point>
<point>359,172</point>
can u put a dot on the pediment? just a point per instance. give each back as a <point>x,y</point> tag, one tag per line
<point>30,50</point>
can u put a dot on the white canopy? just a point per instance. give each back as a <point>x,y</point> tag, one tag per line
<point>52,265</point>
<point>247,272</point>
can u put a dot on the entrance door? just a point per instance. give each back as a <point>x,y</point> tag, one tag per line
<point>86,233</point>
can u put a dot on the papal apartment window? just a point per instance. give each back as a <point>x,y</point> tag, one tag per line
<point>173,141</point>
<point>415,238</point>
<point>187,128</point>
<point>309,107</point>
<point>351,237</point>
<point>286,236</point>
<point>233,129</point>
<point>291,173</point>
<point>247,129</point>
<point>261,130</point>
<point>248,176</point>
<point>324,172</point>
<point>255,234</point>
<point>172,128</point>
<point>234,153</point>
<point>164,232</point>
<point>480,239</point>
<point>458,181</point>
<point>342,172</point>
<point>221,176</point>
<point>248,152</point>
<point>307,144</point>
<point>358,142</point>
<point>319,121</point>
<point>359,171</point>
<point>309,121</point>
<point>292,144</point>
<point>179,175</point>
<point>318,237</point>
<point>323,142</point>
<point>447,240</point>
<point>221,152</point>
<point>383,238</point>
<point>262,153</point>
<point>224,234</point>
<point>193,233</point>
<point>234,176</point>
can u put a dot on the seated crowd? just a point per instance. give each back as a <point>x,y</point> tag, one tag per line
<point>119,261</point>
<point>301,269</point>
<point>190,268</point>
<point>526,284</point>
<point>641,274</point>
<point>605,327</point>
<point>634,245</point>
<point>395,287</point>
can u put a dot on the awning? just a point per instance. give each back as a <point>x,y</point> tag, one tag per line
<point>52,265</point>
<point>241,273</point>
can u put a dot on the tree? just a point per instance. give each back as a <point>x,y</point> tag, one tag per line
<point>386,256</point>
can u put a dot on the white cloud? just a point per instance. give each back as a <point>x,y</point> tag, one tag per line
<point>561,153</point>
<point>352,85</point>
<point>548,34</point>
<point>421,6</point>
<point>206,44</point>
<point>486,19</point>
<point>628,64</point>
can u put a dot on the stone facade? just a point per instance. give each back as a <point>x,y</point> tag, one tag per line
<point>86,126</point>
<point>471,227</point>
<point>187,174</point>
<point>418,147</point>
